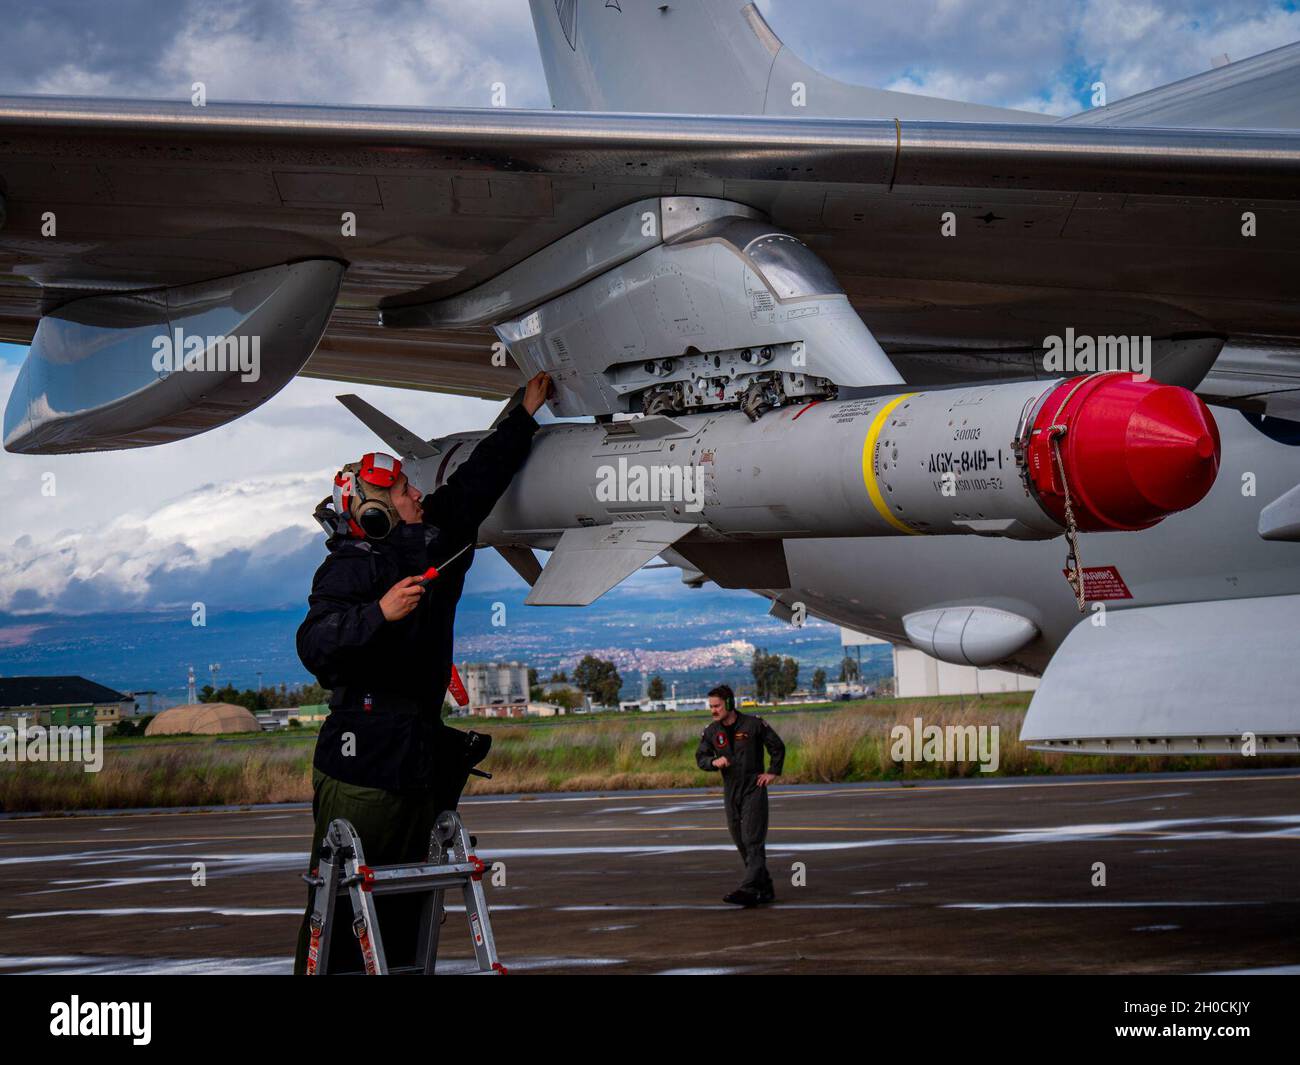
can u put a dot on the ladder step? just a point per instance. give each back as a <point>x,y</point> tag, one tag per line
<point>393,879</point>
<point>343,871</point>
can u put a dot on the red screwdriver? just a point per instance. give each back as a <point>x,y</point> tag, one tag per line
<point>429,575</point>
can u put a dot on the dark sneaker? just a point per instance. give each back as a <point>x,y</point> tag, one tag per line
<point>741,898</point>
<point>766,895</point>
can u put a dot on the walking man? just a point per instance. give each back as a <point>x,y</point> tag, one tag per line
<point>733,744</point>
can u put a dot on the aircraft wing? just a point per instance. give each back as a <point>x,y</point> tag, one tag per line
<point>1215,677</point>
<point>165,211</point>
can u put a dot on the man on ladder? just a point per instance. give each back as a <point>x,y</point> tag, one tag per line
<point>380,638</point>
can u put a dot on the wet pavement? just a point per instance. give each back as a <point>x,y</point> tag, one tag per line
<point>1202,873</point>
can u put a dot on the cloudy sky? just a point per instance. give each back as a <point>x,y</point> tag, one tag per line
<point>1040,55</point>
<point>162,526</point>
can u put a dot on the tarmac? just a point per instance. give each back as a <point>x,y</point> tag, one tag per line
<point>1201,874</point>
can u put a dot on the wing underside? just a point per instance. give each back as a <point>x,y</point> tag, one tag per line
<point>1133,231</point>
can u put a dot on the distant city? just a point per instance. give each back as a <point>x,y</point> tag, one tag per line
<point>695,639</point>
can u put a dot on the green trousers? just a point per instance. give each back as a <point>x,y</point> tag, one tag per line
<point>394,827</point>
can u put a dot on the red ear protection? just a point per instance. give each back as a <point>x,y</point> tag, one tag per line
<point>370,514</point>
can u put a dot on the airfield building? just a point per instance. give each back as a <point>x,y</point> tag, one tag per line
<point>203,719</point>
<point>61,701</point>
<point>495,684</point>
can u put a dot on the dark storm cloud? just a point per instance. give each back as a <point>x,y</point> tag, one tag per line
<point>122,41</point>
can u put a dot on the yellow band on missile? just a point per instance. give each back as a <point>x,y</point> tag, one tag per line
<point>869,466</point>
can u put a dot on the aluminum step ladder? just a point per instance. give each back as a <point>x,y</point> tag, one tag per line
<point>343,871</point>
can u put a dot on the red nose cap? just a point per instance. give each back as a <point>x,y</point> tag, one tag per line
<point>1134,451</point>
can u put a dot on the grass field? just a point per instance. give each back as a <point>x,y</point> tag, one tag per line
<point>825,743</point>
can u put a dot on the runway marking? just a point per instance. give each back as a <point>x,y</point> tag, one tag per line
<point>783,905</point>
<point>1089,905</point>
<point>1090,829</point>
<point>722,906</point>
<point>214,911</point>
<point>141,839</point>
<point>148,911</point>
<point>763,943</point>
<point>1141,798</point>
<point>86,965</point>
<point>78,965</point>
<point>653,907</point>
<point>1001,786</point>
<point>777,829</point>
<point>1163,780</point>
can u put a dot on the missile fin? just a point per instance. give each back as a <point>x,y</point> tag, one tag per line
<point>751,564</point>
<point>588,562</point>
<point>398,437</point>
<point>522,561</point>
<point>692,577</point>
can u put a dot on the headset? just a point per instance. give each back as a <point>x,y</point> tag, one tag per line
<point>727,695</point>
<point>361,495</point>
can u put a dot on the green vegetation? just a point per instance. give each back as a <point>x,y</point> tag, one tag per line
<point>256,699</point>
<point>598,678</point>
<point>598,752</point>
<point>178,771</point>
<point>774,677</point>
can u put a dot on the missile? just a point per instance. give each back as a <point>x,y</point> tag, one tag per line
<point>994,459</point>
<point>1134,452</point>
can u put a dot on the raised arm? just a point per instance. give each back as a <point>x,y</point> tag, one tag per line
<point>460,506</point>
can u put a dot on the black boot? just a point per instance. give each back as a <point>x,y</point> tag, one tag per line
<point>741,897</point>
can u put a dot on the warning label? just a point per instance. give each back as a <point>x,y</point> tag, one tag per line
<point>1102,582</point>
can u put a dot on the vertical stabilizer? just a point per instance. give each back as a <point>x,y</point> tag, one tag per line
<point>711,57</point>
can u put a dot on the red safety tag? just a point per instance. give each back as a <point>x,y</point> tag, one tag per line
<point>457,687</point>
